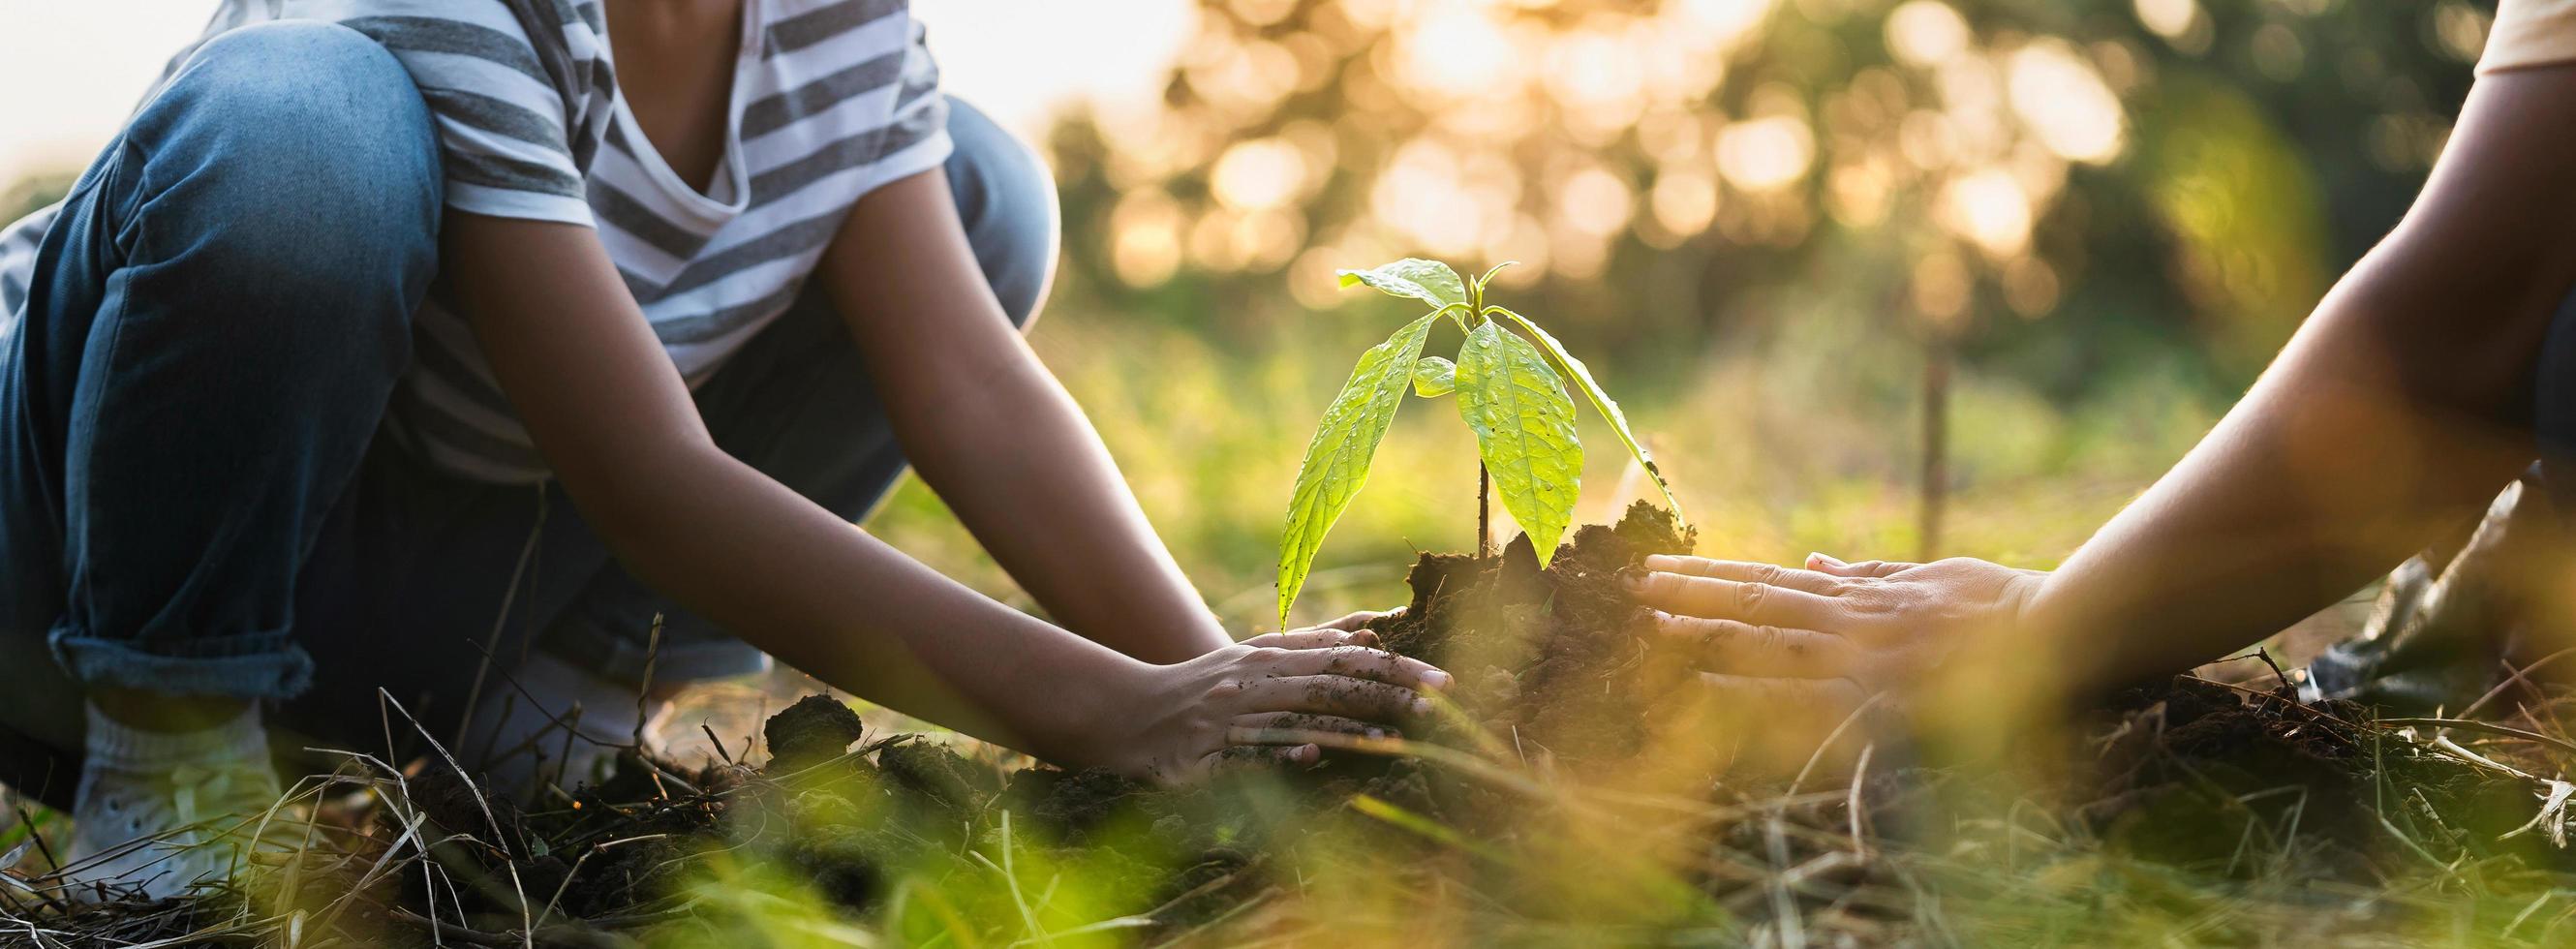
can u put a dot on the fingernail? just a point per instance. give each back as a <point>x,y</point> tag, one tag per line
<point>1435,680</point>
<point>1365,636</point>
<point>1662,562</point>
<point>1421,706</point>
<point>1825,559</point>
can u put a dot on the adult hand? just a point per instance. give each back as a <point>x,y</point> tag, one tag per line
<point>1269,700</point>
<point>1815,649</point>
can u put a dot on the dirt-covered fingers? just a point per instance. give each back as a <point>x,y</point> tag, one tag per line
<point>1316,637</point>
<point>1746,649</point>
<point>1761,604</point>
<point>1257,757</point>
<point>1293,728</point>
<point>1335,695</point>
<point>1746,572</point>
<point>1362,662</point>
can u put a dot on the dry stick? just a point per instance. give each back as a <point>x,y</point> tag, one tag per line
<point>715,742</point>
<point>501,620</point>
<point>643,693</point>
<point>2506,730</point>
<point>41,847</point>
<point>2514,676</point>
<point>1830,738</point>
<point>500,838</point>
<point>1860,774</point>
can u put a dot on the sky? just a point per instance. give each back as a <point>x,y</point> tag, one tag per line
<point>73,69</point>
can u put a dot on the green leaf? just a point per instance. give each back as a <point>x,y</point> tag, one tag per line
<point>1601,402</point>
<point>1434,377</point>
<point>1337,461</point>
<point>1524,426</point>
<point>1429,281</point>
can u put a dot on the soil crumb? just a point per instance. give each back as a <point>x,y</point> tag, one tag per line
<point>814,730</point>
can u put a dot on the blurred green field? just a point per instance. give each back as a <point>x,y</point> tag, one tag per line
<point>1788,446</point>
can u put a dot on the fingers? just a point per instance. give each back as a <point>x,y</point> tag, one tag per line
<point>1335,695</point>
<point>1365,663</point>
<point>1314,638</point>
<point>1257,757</point>
<point>1758,603</point>
<point>1290,728</point>
<point>1823,563</point>
<point>1745,572</point>
<point>1746,649</point>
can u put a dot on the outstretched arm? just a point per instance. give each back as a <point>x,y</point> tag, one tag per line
<point>610,414</point>
<point>993,432</point>
<point>2396,412</point>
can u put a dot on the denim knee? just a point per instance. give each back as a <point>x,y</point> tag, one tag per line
<point>298,154</point>
<point>253,247</point>
<point>1007,200</point>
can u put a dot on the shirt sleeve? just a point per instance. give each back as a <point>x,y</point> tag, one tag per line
<point>915,140</point>
<point>2530,33</point>
<point>510,84</point>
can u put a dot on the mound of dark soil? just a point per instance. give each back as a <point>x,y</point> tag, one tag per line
<point>1555,656</point>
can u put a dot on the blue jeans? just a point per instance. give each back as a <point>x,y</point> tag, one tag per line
<point>192,497</point>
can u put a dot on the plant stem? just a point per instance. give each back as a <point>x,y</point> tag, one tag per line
<point>1484,510</point>
<point>1934,480</point>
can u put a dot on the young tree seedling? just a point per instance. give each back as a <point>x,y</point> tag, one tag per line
<point>1510,392</point>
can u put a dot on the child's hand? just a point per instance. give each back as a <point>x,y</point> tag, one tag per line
<point>1268,700</point>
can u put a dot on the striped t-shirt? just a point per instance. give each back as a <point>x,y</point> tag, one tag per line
<point>831,98</point>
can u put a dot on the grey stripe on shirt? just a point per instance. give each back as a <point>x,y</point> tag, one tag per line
<point>788,240</point>
<point>434,35</point>
<point>702,327</point>
<point>807,29</point>
<point>630,215</point>
<point>775,112</point>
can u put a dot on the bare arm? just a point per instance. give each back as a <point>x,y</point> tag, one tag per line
<point>611,416</point>
<point>993,432</point>
<point>2397,411</point>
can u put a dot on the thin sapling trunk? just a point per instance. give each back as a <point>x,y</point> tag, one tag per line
<point>1484,510</point>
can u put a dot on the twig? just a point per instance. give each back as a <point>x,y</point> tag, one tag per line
<point>2492,729</point>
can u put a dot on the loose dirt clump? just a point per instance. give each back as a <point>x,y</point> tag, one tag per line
<point>1555,656</point>
<point>814,730</point>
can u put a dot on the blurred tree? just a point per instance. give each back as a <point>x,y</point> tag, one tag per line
<point>2039,189</point>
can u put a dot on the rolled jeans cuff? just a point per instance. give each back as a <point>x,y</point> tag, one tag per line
<point>263,665</point>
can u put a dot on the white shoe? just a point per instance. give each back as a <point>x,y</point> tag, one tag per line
<point>521,749</point>
<point>158,813</point>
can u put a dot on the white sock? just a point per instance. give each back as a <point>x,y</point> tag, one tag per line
<point>115,745</point>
